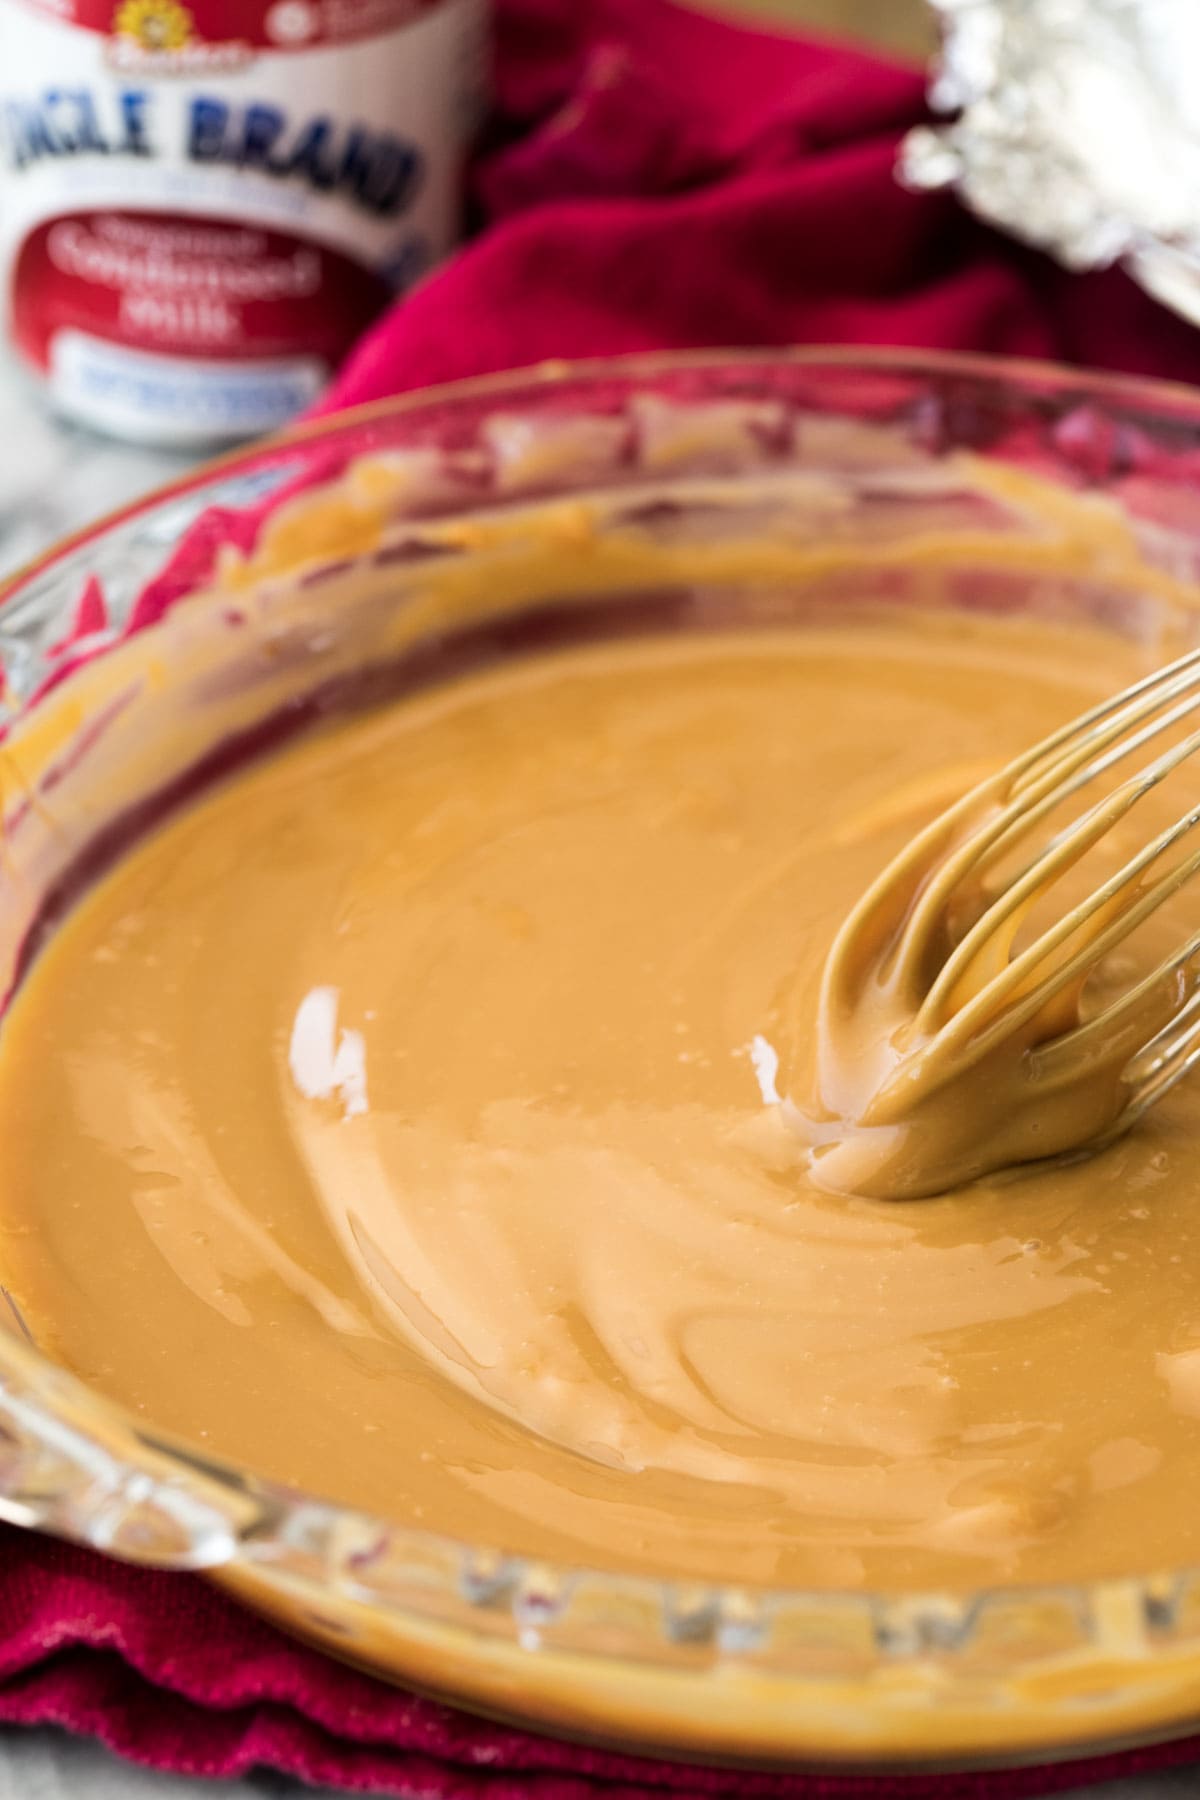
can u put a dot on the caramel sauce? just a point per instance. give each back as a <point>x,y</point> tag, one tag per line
<point>403,1119</point>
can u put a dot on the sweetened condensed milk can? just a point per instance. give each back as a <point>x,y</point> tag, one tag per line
<point>202,204</point>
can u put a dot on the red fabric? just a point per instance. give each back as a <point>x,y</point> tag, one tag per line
<point>655,178</point>
<point>167,1671</point>
<point>670,180</point>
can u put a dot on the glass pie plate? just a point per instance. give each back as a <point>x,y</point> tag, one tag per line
<point>975,482</point>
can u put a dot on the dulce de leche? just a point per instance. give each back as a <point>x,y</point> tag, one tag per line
<point>403,1118</point>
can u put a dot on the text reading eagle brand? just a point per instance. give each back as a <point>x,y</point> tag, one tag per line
<point>377,170</point>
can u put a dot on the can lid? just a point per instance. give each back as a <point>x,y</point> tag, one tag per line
<point>179,31</point>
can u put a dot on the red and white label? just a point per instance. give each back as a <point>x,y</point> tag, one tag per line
<point>228,189</point>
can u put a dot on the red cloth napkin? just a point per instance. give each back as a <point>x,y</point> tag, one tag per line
<point>654,178</point>
<point>165,1670</point>
<point>668,179</point>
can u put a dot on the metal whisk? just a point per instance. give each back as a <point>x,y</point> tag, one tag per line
<point>947,1049</point>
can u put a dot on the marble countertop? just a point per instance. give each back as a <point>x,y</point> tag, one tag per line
<point>53,479</point>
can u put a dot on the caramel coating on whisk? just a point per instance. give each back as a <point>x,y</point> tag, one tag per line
<point>1019,984</point>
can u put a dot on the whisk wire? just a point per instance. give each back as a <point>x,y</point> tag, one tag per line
<point>1053,862</point>
<point>1104,1025</point>
<point>1012,804</point>
<point>985,989</point>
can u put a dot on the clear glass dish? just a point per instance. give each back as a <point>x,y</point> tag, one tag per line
<point>865,470</point>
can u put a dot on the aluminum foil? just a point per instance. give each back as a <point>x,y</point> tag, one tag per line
<point>1077,129</point>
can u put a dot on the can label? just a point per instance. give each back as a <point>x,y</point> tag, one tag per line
<point>202,205</point>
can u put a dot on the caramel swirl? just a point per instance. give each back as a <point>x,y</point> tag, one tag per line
<point>404,1120</point>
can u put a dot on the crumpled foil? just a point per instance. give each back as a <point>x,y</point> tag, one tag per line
<point>1077,130</point>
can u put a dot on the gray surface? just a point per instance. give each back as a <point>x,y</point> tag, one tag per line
<point>53,479</point>
<point>46,1765</point>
